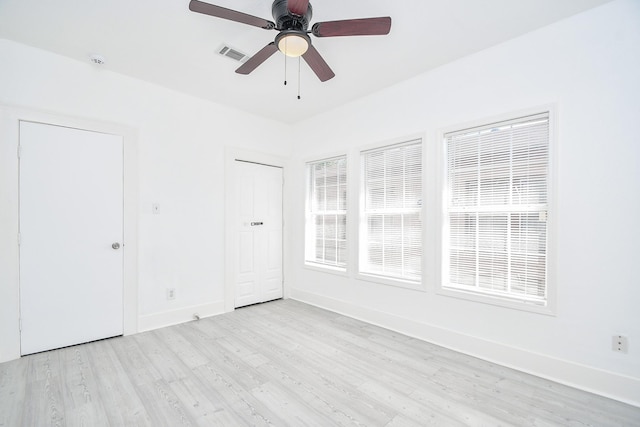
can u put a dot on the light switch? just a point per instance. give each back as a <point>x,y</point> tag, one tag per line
<point>155,208</point>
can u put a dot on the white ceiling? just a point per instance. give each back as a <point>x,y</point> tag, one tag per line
<point>161,41</point>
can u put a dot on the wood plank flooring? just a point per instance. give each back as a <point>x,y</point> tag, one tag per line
<point>284,363</point>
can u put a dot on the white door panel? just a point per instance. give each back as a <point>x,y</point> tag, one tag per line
<point>71,212</point>
<point>245,245</point>
<point>274,252</point>
<point>259,257</point>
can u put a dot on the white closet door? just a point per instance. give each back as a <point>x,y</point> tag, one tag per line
<point>259,233</point>
<point>71,230</point>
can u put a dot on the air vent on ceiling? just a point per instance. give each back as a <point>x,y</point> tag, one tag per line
<point>235,54</point>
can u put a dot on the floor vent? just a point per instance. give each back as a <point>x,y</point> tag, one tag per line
<point>232,53</point>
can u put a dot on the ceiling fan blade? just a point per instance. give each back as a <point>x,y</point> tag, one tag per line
<point>353,27</point>
<point>298,7</point>
<point>257,59</point>
<point>318,64</point>
<point>231,15</point>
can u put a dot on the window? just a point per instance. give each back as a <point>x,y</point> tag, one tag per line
<point>326,225</point>
<point>496,202</point>
<point>391,221</point>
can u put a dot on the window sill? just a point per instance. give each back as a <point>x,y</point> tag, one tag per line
<point>326,269</point>
<point>497,301</point>
<point>389,281</point>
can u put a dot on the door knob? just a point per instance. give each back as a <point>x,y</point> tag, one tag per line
<point>116,245</point>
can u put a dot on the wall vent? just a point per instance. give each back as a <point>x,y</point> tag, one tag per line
<point>235,54</point>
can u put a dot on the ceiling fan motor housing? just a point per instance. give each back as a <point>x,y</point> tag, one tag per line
<point>288,21</point>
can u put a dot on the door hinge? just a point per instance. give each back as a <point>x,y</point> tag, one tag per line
<point>20,324</point>
<point>19,150</point>
<point>19,239</point>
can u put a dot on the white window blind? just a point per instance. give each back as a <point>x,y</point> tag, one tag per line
<point>391,235</point>
<point>497,184</point>
<point>326,227</point>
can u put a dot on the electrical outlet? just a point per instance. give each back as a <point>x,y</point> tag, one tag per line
<point>620,344</point>
<point>171,293</point>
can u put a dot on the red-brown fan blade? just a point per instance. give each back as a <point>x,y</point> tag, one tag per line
<point>257,59</point>
<point>298,7</point>
<point>231,15</point>
<point>317,64</point>
<point>353,27</point>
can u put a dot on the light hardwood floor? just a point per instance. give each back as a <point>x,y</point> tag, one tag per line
<point>284,363</point>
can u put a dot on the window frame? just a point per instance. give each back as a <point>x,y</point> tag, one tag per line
<point>360,245</point>
<point>311,264</point>
<point>442,254</point>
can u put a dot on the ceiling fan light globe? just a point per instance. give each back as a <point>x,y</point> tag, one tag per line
<point>293,45</point>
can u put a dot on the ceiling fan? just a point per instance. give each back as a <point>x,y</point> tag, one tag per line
<point>292,22</point>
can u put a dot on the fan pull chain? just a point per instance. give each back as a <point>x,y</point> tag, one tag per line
<point>299,61</point>
<point>285,62</point>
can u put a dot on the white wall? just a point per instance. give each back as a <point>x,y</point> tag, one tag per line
<point>181,146</point>
<point>588,66</point>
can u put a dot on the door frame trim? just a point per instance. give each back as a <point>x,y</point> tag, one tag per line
<point>10,118</point>
<point>233,154</point>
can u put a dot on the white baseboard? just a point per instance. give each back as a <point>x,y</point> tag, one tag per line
<point>608,384</point>
<point>152,321</point>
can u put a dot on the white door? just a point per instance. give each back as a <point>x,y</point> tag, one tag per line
<point>71,230</point>
<point>259,233</point>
